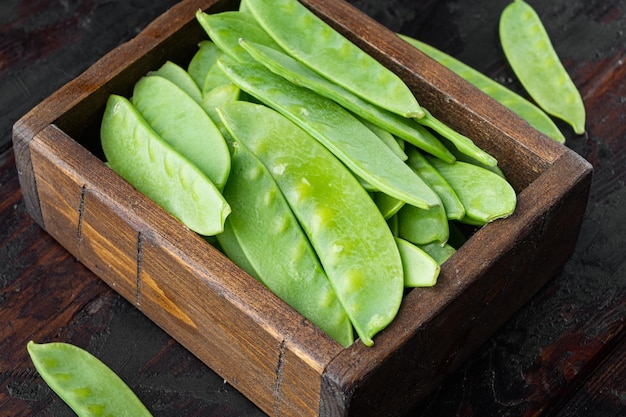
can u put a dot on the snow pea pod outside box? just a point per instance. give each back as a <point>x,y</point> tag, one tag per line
<point>265,349</point>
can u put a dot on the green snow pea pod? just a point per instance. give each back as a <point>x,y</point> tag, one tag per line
<point>229,245</point>
<point>184,125</point>
<point>137,153</point>
<point>461,142</point>
<point>486,196</point>
<point>421,226</point>
<point>387,205</point>
<point>202,61</point>
<point>466,158</point>
<point>527,47</point>
<point>386,137</point>
<point>508,98</point>
<point>453,207</point>
<point>179,76</point>
<point>337,129</point>
<point>215,98</point>
<point>312,41</point>
<point>86,384</point>
<point>299,74</point>
<point>440,253</point>
<point>392,222</point>
<point>349,235</point>
<point>215,78</point>
<point>420,269</point>
<point>242,7</point>
<point>275,245</point>
<point>226,28</point>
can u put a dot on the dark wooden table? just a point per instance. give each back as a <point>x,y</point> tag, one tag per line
<point>563,354</point>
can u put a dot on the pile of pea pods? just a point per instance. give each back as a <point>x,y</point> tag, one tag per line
<point>307,162</point>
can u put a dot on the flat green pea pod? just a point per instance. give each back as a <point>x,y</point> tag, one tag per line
<point>386,137</point>
<point>486,196</point>
<point>215,98</point>
<point>332,55</point>
<point>228,244</point>
<point>350,236</point>
<point>508,98</point>
<point>202,61</point>
<point>392,222</point>
<point>182,122</point>
<point>215,78</point>
<point>242,7</point>
<point>421,226</point>
<point>453,207</point>
<point>388,206</point>
<point>337,129</point>
<point>534,61</point>
<point>179,76</point>
<point>420,269</point>
<point>137,153</point>
<point>87,385</point>
<point>275,246</point>
<point>299,74</point>
<point>439,252</point>
<point>226,28</point>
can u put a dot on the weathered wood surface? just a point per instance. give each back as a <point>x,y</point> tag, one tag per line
<point>554,350</point>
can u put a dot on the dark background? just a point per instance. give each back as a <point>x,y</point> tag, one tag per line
<point>561,355</point>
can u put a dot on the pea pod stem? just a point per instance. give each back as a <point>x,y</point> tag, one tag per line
<point>464,144</point>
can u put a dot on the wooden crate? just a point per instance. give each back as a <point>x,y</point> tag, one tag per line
<point>283,363</point>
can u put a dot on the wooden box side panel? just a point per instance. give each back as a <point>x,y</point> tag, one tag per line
<point>273,371</point>
<point>479,288</point>
<point>226,318</point>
